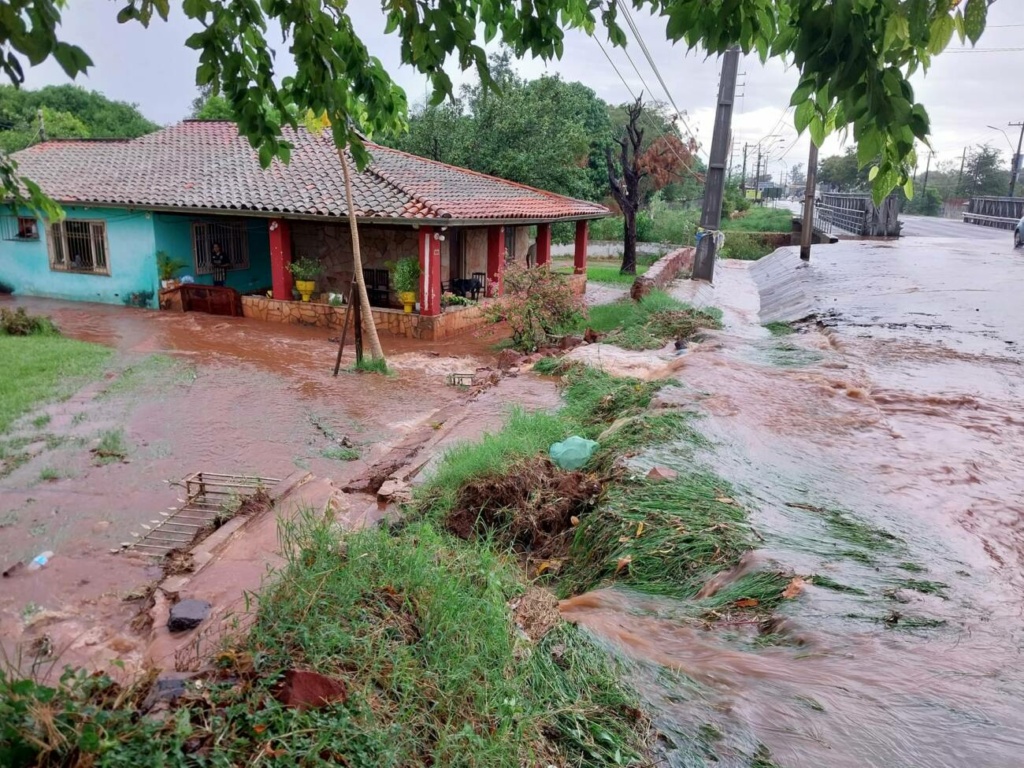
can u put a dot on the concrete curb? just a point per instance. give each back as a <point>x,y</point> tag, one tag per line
<point>663,272</point>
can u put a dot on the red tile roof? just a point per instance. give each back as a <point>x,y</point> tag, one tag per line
<point>207,165</point>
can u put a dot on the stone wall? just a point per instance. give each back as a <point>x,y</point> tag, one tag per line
<point>663,272</point>
<point>331,244</point>
<point>578,284</point>
<point>452,321</point>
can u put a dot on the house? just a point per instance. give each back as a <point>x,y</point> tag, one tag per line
<point>182,189</point>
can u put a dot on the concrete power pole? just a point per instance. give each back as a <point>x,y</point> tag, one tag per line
<point>1015,162</point>
<point>807,225</point>
<point>960,177</point>
<point>927,170</point>
<point>757,178</point>
<point>714,185</point>
<point>743,178</point>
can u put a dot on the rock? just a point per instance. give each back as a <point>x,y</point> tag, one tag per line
<point>167,690</point>
<point>310,690</point>
<point>394,490</point>
<point>568,342</point>
<point>508,358</point>
<point>662,474</point>
<point>591,336</point>
<point>188,614</point>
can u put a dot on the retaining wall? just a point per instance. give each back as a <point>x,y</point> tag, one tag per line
<point>663,272</point>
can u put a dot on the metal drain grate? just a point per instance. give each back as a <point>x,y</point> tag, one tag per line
<point>208,495</point>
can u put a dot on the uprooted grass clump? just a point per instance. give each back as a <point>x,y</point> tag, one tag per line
<point>651,322</point>
<point>415,626</point>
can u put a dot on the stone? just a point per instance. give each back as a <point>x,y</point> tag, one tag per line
<point>310,690</point>
<point>188,614</point>
<point>568,342</point>
<point>662,474</point>
<point>508,358</point>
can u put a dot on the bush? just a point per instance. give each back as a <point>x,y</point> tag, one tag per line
<point>927,204</point>
<point>535,304</point>
<point>21,323</point>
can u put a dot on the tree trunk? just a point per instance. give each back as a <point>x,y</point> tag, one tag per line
<point>629,243</point>
<point>369,328</point>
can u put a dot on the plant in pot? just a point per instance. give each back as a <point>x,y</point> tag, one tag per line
<point>305,271</point>
<point>168,269</point>
<point>406,279</point>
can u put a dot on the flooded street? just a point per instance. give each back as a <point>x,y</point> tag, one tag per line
<point>881,451</point>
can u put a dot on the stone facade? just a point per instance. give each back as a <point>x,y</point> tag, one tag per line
<point>450,322</point>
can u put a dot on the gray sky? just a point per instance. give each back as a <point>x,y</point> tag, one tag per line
<point>964,91</point>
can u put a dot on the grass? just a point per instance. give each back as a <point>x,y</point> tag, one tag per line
<point>41,369</point>
<point>780,329</point>
<point>608,275</point>
<point>650,322</point>
<point>925,587</point>
<point>826,582</point>
<point>112,447</point>
<point>417,626</point>
<point>761,220</point>
<point>371,365</point>
<point>340,453</point>
<point>853,531</point>
<point>49,474</point>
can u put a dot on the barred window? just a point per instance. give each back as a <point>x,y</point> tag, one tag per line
<point>232,237</point>
<point>19,228</point>
<point>78,245</point>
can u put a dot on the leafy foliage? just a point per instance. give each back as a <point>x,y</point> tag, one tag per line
<point>536,303</point>
<point>843,172</point>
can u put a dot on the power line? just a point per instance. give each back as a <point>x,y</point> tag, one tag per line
<point>657,73</point>
<point>984,50</point>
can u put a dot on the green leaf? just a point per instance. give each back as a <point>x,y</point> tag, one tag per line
<point>817,130</point>
<point>974,19</point>
<point>803,115</point>
<point>941,33</point>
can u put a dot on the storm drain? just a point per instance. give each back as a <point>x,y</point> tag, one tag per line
<point>210,498</point>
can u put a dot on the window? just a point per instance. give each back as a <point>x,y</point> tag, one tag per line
<point>19,228</point>
<point>78,245</point>
<point>232,238</point>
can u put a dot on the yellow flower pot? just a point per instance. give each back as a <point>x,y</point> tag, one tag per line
<point>305,288</point>
<point>408,299</point>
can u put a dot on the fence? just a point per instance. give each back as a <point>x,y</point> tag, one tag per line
<point>857,215</point>
<point>998,212</point>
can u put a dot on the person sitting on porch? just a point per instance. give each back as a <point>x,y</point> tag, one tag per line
<point>220,263</point>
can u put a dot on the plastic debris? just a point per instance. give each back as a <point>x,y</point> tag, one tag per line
<point>40,560</point>
<point>573,452</point>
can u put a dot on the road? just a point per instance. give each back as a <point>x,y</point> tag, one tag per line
<point>930,226</point>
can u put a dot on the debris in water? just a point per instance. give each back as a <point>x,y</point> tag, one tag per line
<point>795,587</point>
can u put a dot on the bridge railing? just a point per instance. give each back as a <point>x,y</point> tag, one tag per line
<point>998,212</point>
<point>857,214</point>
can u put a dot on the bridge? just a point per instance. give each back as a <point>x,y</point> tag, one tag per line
<point>997,212</point>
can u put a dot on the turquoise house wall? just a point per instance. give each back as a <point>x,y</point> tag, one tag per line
<point>174,237</point>
<point>25,264</point>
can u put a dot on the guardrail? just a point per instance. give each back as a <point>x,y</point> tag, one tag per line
<point>857,215</point>
<point>997,212</point>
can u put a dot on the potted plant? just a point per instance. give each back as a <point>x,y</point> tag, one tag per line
<point>406,279</point>
<point>168,269</point>
<point>305,271</point>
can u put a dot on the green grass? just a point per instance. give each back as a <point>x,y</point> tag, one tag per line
<point>41,369</point>
<point>761,220</point>
<point>780,329</point>
<point>416,625</point>
<point>112,447</point>
<point>151,370</point>
<point>49,474</point>
<point>371,365</point>
<point>826,582</point>
<point>925,587</point>
<point>649,323</point>
<point>844,526</point>
<point>609,275</point>
<point>340,453</point>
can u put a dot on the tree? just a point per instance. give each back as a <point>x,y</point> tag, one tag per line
<point>667,160</point>
<point>69,112</point>
<point>624,178</point>
<point>797,177</point>
<point>210,106</point>
<point>843,172</point>
<point>984,174</point>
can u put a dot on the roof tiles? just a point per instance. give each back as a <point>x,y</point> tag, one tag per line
<point>207,165</point>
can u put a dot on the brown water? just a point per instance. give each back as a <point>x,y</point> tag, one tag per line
<point>903,407</point>
<point>233,395</point>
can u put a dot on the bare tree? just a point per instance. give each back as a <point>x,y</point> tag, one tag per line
<point>624,181</point>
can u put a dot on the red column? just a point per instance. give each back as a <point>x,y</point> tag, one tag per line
<point>495,261</point>
<point>543,245</point>
<point>280,258</point>
<point>430,272</point>
<point>579,261</point>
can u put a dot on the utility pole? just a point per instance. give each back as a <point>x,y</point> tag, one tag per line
<point>732,155</point>
<point>807,225</point>
<point>1016,161</point>
<point>743,179</point>
<point>960,178</point>
<point>42,126</point>
<point>714,185</point>
<point>757,177</point>
<point>927,170</point>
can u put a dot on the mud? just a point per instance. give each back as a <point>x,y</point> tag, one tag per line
<point>902,408</point>
<point>188,392</point>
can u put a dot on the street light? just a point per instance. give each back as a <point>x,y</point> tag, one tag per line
<point>1005,136</point>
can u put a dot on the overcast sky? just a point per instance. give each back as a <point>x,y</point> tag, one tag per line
<point>965,91</point>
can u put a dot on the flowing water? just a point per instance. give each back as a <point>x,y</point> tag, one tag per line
<point>901,406</point>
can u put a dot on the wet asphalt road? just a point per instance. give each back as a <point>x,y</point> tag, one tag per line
<point>930,226</point>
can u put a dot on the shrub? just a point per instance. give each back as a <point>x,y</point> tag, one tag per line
<point>306,269</point>
<point>406,275</point>
<point>21,323</point>
<point>535,304</point>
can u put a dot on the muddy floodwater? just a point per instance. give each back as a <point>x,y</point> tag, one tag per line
<point>899,405</point>
<point>187,393</point>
